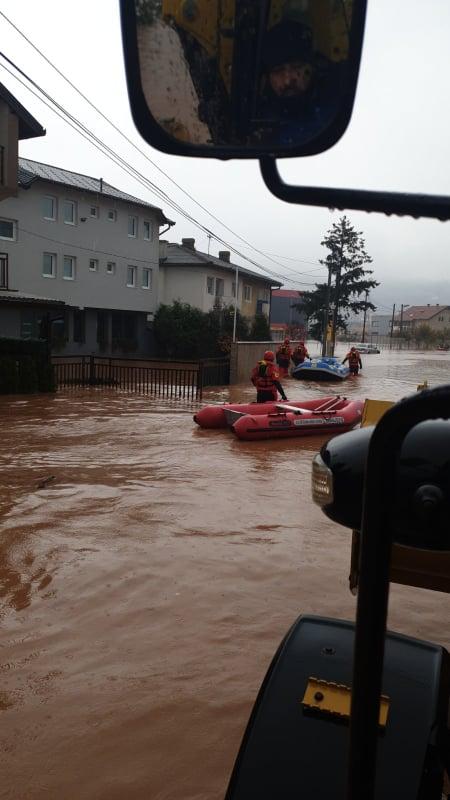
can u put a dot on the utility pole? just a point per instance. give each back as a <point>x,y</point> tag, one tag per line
<point>364,323</point>
<point>326,313</point>
<point>337,291</point>
<point>392,326</point>
<point>404,305</point>
<point>236,295</point>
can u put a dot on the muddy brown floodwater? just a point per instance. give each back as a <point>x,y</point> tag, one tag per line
<point>148,572</point>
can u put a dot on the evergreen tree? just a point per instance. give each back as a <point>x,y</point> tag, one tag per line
<point>349,281</point>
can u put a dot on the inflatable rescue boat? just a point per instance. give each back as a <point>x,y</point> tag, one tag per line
<point>223,416</point>
<point>289,421</point>
<point>326,368</point>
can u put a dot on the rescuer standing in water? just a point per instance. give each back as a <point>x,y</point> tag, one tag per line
<point>266,380</point>
<point>354,361</point>
<point>299,354</point>
<point>284,354</point>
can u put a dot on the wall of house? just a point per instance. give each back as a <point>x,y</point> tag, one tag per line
<point>95,238</point>
<point>9,134</point>
<point>190,285</point>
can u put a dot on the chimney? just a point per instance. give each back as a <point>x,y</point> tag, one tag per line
<point>224,255</point>
<point>190,243</point>
<point>101,185</point>
<point>163,248</point>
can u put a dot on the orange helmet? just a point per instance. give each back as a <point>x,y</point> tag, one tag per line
<point>268,355</point>
<point>286,341</point>
<point>300,343</point>
<point>352,349</point>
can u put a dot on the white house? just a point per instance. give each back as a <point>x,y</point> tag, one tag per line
<point>201,280</point>
<point>79,242</point>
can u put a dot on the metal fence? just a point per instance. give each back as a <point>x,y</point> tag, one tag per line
<point>183,380</point>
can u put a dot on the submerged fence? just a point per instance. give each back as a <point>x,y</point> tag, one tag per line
<point>181,380</point>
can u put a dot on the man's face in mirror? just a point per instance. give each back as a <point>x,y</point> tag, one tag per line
<point>291,80</point>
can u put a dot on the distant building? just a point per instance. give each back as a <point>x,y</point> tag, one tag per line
<point>380,325</point>
<point>285,318</point>
<point>76,242</point>
<point>436,317</point>
<point>201,280</point>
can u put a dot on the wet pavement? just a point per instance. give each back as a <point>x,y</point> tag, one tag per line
<point>148,570</point>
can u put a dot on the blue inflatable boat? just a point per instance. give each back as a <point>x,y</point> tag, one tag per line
<point>321,369</point>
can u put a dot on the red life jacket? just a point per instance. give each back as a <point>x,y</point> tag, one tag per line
<point>353,358</point>
<point>300,352</point>
<point>264,375</point>
<point>284,353</point>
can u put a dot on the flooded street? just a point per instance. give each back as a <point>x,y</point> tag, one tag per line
<point>148,570</point>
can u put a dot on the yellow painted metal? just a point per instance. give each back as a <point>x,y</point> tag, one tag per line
<point>211,23</point>
<point>422,386</point>
<point>334,699</point>
<point>373,411</point>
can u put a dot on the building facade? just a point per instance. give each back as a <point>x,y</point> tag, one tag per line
<point>93,249</point>
<point>200,279</point>
<point>285,316</point>
<point>380,325</point>
<point>436,317</point>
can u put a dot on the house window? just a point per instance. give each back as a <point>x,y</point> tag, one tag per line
<point>69,268</point>
<point>132,227</point>
<point>93,264</point>
<point>111,215</point>
<point>147,230</point>
<point>30,324</point>
<point>93,212</point>
<point>247,293</point>
<point>70,212</point>
<point>131,277</point>
<point>8,229</point>
<point>49,207</point>
<point>124,330</point>
<point>219,287</point>
<point>79,327</point>
<point>49,265</point>
<point>146,278</point>
<point>111,268</point>
<point>210,285</point>
<point>3,271</point>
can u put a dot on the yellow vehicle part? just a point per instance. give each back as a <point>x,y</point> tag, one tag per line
<point>334,699</point>
<point>373,411</point>
<point>211,23</point>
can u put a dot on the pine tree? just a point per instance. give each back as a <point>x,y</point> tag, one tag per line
<point>349,281</point>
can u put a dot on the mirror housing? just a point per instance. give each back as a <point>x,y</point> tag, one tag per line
<point>421,511</point>
<point>218,61</point>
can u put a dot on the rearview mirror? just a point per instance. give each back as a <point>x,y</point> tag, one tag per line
<point>242,78</point>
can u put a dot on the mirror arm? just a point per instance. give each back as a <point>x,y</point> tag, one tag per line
<point>399,203</point>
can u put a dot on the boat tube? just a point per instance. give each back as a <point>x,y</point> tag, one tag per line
<point>326,368</point>
<point>222,416</point>
<point>289,421</point>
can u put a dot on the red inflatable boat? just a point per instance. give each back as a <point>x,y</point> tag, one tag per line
<point>225,415</point>
<point>342,416</point>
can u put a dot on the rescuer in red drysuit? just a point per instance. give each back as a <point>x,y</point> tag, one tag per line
<point>299,354</point>
<point>354,360</point>
<point>265,378</point>
<point>283,357</point>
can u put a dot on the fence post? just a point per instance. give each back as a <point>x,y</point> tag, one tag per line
<point>200,380</point>
<point>91,371</point>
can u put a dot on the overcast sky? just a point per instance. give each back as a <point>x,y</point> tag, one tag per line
<point>398,139</point>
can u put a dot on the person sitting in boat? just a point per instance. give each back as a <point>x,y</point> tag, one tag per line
<point>283,357</point>
<point>299,354</point>
<point>354,361</point>
<point>266,379</point>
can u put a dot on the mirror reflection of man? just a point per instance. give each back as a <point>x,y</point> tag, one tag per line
<point>300,92</point>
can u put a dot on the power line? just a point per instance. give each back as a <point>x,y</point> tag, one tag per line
<point>141,152</point>
<point>90,250</point>
<point>119,161</point>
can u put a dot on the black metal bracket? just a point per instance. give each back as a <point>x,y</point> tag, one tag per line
<point>373,593</point>
<point>399,203</point>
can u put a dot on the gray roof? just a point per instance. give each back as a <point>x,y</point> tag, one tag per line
<point>29,127</point>
<point>30,171</point>
<point>23,297</point>
<point>178,255</point>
